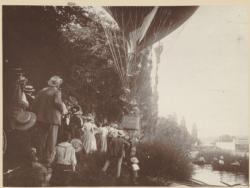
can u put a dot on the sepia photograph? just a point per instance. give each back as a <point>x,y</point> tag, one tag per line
<point>125,95</point>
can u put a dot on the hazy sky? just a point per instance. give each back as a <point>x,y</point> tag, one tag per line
<point>203,74</point>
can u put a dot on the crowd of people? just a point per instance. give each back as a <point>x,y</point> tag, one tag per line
<point>58,134</point>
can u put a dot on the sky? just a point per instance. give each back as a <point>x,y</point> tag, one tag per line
<point>203,73</point>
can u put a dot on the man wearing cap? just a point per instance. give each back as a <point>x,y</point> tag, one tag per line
<point>49,107</point>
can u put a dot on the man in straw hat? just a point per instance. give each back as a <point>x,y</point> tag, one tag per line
<point>49,107</point>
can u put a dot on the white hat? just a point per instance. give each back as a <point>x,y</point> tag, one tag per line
<point>77,144</point>
<point>114,125</point>
<point>55,81</point>
<point>121,133</point>
<point>134,160</point>
<point>29,88</point>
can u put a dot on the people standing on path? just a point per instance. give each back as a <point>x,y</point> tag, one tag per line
<point>49,107</point>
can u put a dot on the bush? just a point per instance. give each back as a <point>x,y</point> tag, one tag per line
<point>156,160</point>
<point>166,155</point>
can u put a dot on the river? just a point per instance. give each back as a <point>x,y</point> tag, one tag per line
<point>207,175</point>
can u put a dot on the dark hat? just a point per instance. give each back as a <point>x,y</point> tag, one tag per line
<point>25,120</point>
<point>77,110</point>
<point>18,70</point>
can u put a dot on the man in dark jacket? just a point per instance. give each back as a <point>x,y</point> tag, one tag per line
<point>49,108</point>
<point>76,122</point>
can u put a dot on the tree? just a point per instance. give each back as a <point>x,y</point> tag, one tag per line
<point>183,124</point>
<point>194,133</point>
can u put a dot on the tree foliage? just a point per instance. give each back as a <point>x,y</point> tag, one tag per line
<point>69,42</point>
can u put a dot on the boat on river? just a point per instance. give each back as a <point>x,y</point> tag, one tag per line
<point>235,166</point>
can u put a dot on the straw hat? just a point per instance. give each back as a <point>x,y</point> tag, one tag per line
<point>29,88</point>
<point>121,133</point>
<point>25,120</point>
<point>77,144</point>
<point>55,81</point>
<point>90,117</point>
<point>134,160</point>
<point>113,132</point>
<point>114,125</point>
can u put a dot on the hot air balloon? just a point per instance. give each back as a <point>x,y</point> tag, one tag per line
<point>141,26</point>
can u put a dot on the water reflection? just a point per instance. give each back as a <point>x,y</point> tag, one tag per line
<point>207,175</point>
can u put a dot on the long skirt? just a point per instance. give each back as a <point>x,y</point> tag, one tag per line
<point>89,142</point>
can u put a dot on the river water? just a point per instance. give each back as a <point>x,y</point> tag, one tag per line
<point>207,175</point>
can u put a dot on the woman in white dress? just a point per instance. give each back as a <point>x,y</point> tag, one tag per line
<point>103,131</point>
<point>88,138</point>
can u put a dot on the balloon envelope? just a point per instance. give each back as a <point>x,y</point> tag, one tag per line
<point>160,21</point>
